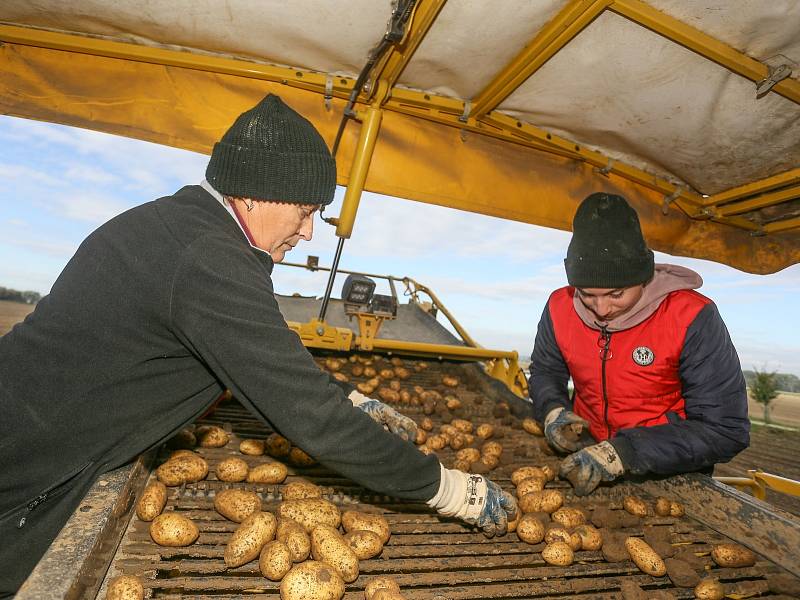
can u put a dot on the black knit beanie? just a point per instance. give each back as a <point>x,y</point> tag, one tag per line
<point>607,249</point>
<point>273,153</point>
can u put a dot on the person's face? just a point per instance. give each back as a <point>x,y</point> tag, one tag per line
<point>277,227</point>
<point>608,304</point>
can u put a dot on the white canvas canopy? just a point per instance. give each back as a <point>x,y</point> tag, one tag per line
<point>516,108</point>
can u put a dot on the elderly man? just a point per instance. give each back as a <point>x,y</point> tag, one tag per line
<point>163,308</point>
<point>657,384</point>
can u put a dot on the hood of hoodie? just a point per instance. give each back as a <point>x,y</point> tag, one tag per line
<point>667,279</point>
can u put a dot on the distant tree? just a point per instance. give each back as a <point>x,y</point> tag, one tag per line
<point>763,389</point>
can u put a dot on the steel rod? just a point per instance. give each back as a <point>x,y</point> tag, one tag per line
<point>324,308</point>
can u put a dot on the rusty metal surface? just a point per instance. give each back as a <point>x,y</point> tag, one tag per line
<point>431,557</point>
<point>761,527</point>
<point>74,565</point>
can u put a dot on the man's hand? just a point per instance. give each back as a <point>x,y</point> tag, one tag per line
<point>588,467</point>
<point>563,429</point>
<point>475,500</point>
<point>399,424</point>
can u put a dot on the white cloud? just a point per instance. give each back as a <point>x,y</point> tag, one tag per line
<point>28,175</point>
<point>39,246</point>
<point>89,174</point>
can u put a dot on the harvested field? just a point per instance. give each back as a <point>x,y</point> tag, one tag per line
<point>12,313</point>
<point>784,410</point>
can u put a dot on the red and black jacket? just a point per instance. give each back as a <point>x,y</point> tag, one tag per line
<point>668,393</point>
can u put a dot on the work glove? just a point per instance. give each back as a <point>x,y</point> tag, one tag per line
<point>566,431</point>
<point>399,424</point>
<point>586,468</point>
<point>475,500</point>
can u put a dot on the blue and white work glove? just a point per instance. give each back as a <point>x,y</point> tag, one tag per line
<point>399,424</point>
<point>588,467</point>
<point>475,500</point>
<point>563,429</point>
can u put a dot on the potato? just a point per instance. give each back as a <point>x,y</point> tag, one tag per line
<point>426,424</point>
<point>370,372</point>
<point>525,473</point>
<point>310,512</point>
<point>236,504</point>
<point>365,544</point>
<point>436,442</point>
<point>272,472</point>
<point>387,595</point>
<point>394,385</point>
<point>332,364</point>
<point>232,470</point>
<point>353,521</point>
<point>340,377</point>
<point>295,537</point>
<point>558,554</point>
<point>558,533</point>
<point>458,442</point>
<point>252,447</point>
<point>426,450</point>
<point>709,589</point>
<point>552,500</point>
<point>365,388</point>
<point>388,395</point>
<point>402,373</point>
<point>386,374</point>
<point>182,452</point>
<point>635,506</point>
<point>568,516</point>
<point>645,557</point>
<point>297,490</point>
<point>492,448</point>
<point>532,427</point>
<point>312,580</point>
<point>421,437</point>
<point>381,582</point>
<point>125,587</point>
<point>185,438</point>
<point>732,555</point>
<point>549,472</point>
<point>465,466</point>
<point>485,431</point>
<point>249,538</point>
<point>531,484</point>
<point>357,371</point>
<point>591,538</point>
<point>661,507</point>
<point>182,469</point>
<point>152,502</point>
<point>277,446</point>
<point>300,458</point>
<point>676,509</point>
<point>172,529</point>
<point>328,546</point>
<point>450,381</point>
<point>468,454</point>
<point>681,573</point>
<point>211,436</point>
<point>462,425</point>
<point>530,529</point>
<point>275,560</point>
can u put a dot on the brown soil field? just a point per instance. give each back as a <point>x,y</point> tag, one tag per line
<point>784,410</point>
<point>12,313</point>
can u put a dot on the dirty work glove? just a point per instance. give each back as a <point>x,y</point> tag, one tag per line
<point>588,467</point>
<point>563,429</point>
<point>475,500</point>
<point>397,423</point>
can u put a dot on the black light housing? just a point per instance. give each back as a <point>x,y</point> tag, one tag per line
<point>358,289</point>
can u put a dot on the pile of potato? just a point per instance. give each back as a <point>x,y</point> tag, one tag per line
<point>475,451</point>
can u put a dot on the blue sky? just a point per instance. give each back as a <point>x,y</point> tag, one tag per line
<point>494,275</point>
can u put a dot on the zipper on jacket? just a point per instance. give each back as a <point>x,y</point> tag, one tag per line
<point>605,338</point>
<point>51,491</point>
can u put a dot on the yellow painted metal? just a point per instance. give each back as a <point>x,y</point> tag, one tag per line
<point>780,226</point>
<point>368,326</point>
<point>757,187</point>
<point>737,208</point>
<point>703,44</point>
<point>394,62</point>
<point>371,123</point>
<point>568,23</point>
<point>470,166</point>
<point>759,481</point>
<point>299,78</point>
<point>318,334</point>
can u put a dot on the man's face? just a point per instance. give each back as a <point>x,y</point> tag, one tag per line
<point>609,304</point>
<point>277,227</point>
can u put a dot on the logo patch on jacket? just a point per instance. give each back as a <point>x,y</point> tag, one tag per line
<point>643,356</point>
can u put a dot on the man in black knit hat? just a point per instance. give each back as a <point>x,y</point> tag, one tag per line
<point>166,306</point>
<point>657,384</point>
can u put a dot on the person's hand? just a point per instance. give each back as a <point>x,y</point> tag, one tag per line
<point>563,429</point>
<point>586,468</point>
<point>475,500</point>
<point>399,424</point>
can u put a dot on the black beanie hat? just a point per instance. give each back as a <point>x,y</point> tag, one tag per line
<point>607,249</point>
<point>273,153</point>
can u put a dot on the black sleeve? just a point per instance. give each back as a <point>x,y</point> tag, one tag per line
<point>716,427</point>
<point>224,311</point>
<point>547,384</point>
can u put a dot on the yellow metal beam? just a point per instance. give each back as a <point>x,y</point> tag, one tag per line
<point>778,226</point>
<point>392,65</point>
<point>307,80</point>
<point>568,23</point>
<point>756,187</point>
<point>443,351</point>
<point>737,208</point>
<point>702,43</point>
